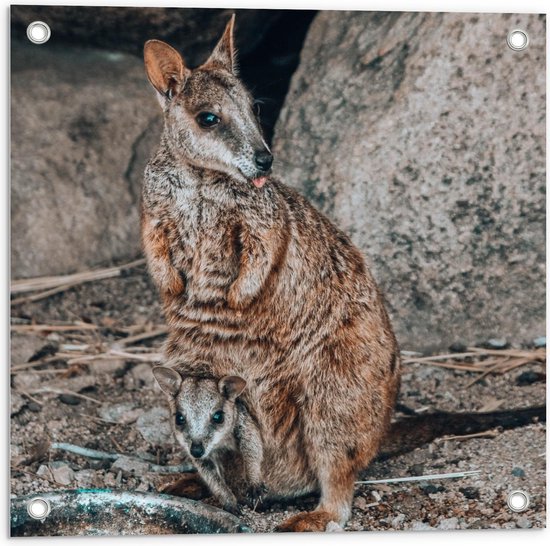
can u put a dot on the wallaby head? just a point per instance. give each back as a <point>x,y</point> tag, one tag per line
<point>209,118</point>
<point>203,410</point>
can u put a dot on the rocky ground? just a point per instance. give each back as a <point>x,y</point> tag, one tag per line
<point>111,404</point>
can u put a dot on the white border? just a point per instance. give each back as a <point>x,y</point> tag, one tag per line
<point>451,538</point>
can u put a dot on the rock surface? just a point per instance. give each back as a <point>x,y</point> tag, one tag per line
<point>84,123</point>
<point>193,31</point>
<point>422,136</point>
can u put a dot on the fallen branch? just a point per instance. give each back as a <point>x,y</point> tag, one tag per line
<point>428,477</point>
<point>104,455</point>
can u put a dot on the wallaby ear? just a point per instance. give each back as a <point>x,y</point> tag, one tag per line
<point>169,380</point>
<point>165,68</point>
<point>224,54</point>
<point>231,386</point>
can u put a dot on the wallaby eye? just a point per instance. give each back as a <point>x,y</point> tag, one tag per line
<point>218,417</point>
<point>180,419</point>
<point>207,120</point>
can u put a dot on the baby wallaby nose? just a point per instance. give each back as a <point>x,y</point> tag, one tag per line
<point>197,450</point>
<point>263,160</point>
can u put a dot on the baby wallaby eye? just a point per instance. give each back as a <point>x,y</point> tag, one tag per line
<point>207,120</point>
<point>218,417</point>
<point>180,419</point>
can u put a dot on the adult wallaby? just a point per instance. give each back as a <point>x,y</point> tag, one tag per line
<point>258,283</point>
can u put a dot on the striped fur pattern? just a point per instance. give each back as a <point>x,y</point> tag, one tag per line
<point>258,283</point>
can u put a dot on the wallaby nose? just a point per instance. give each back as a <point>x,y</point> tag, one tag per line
<point>197,450</point>
<point>263,160</point>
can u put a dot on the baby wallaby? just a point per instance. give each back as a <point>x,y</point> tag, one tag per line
<point>210,422</point>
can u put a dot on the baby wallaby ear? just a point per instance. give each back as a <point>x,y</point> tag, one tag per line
<point>169,380</point>
<point>231,386</point>
<point>165,68</point>
<point>224,54</point>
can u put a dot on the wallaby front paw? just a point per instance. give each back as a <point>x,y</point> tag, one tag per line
<point>233,508</point>
<point>255,494</point>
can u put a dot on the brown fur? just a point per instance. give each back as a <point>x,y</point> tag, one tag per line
<point>258,283</point>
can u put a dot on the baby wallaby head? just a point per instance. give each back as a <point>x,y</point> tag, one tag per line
<point>203,410</point>
<point>209,116</point>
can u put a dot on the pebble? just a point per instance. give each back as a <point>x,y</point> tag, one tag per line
<point>361,503</point>
<point>430,488</point>
<point>458,347</point>
<point>62,472</point>
<point>17,403</point>
<point>448,524</point>
<point>518,472</point>
<point>129,466</point>
<point>497,343</point>
<point>69,399</point>
<point>470,492</point>
<point>420,526</point>
<point>26,381</point>
<point>540,342</point>
<point>143,374</point>
<point>110,367</point>
<point>33,406</point>
<point>154,426</point>
<point>85,478</point>
<point>397,521</point>
<point>523,522</point>
<point>416,470</point>
<point>44,470</point>
<point>110,480</point>
<point>124,413</point>
<point>529,377</point>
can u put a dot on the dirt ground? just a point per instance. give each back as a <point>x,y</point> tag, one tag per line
<point>112,404</point>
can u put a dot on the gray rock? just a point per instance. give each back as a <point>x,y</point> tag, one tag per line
<point>17,403</point>
<point>85,478</point>
<point>448,524</point>
<point>497,343</point>
<point>523,522</point>
<point>154,426</point>
<point>405,130</point>
<point>124,413</point>
<point>130,466</point>
<point>109,366</point>
<point>94,120</point>
<point>518,472</point>
<point>540,342</point>
<point>26,381</point>
<point>142,374</point>
<point>193,31</point>
<point>420,526</point>
<point>397,521</point>
<point>62,472</point>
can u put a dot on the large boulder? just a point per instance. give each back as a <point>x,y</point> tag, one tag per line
<point>83,124</point>
<point>194,31</point>
<point>423,137</point>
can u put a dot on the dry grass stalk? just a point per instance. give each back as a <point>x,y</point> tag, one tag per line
<point>142,337</point>
<point>490,360</point>
<point>45,283</point>
<point>485,434</point>
<point>78,327</point>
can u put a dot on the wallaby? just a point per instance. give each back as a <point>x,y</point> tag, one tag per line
<point>209,421</point>
<point>257,282</point>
